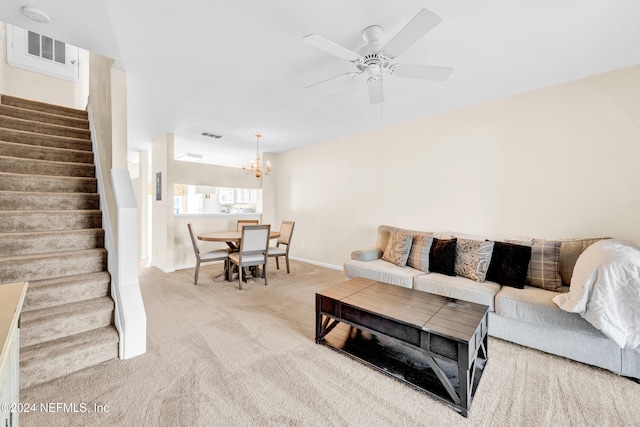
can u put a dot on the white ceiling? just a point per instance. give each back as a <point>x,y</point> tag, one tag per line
<point>237,68</point>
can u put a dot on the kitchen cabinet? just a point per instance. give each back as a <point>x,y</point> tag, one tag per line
<point>226,196</point>
<point>245,195</point>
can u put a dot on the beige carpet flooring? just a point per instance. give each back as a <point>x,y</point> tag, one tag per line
<point>217,356</point>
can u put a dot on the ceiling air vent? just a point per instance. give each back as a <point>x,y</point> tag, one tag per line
<point>211,135</point>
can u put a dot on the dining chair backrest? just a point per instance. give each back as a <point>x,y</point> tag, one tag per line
<point>286,231</point>
<point>196,248</point>
<point>243,222</point>
<point>255,239</point>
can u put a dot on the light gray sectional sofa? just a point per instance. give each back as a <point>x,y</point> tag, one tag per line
<point>526,316</point>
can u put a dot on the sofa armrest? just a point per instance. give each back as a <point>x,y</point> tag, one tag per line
<point>367,254</point>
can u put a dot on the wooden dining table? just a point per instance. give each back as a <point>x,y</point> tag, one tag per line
<point>232,238</point>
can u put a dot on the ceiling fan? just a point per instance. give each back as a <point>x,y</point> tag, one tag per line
<point>376,59</point>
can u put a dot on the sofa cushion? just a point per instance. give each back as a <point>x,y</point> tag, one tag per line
<point>543,269</point>
<point>473,258</point>
<point>570,250</point>
<point>397,251</point>
<point>381,271</point>
<point>535,305</point>
<point>419,254</point>
<point>442,256</point>
<point>458,287</point>
<point>509,264</point>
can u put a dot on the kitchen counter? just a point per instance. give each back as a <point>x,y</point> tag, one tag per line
<point>220,214</point>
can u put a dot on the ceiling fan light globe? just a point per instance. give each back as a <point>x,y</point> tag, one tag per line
<point>373,69</point>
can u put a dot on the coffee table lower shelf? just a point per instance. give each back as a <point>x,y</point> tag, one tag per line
<point>401,361</point>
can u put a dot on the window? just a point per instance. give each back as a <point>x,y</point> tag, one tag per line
<point>42,54</point>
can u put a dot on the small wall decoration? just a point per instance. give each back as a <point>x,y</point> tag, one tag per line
<point>159,186</point>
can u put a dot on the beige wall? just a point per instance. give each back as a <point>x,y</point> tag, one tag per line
<point>554,163</point>
<point>22,83</point>
<point>161,210</point>
<point>119,119</point>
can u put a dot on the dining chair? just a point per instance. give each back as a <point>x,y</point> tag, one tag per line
<point>286,231</point>
<point>253,251</point>
<point>243,222</point>
<point>208,256</point>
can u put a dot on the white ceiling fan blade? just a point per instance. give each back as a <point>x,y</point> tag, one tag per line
<point>329,79</point>
<point>376,95</point>
<point>330,47</point>
<point>426,72</point>
<point>420,25</point>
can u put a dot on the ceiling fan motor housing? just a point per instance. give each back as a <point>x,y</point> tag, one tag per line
<point>373,62</point>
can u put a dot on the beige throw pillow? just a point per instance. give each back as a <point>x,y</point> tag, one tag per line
<point>398,248</point>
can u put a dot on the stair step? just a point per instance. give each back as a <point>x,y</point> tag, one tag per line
<point>54,359</point>
<point>46,167</point>
<point>64,290</point>
<point>27,151</point>
<point>20,201</point>
<point>47,184</point>
<point>50,220</point>
<point>61,264</point>
<point>43,128</point>
<point>51,323</point>
<point>43,117</point>
<point>42,106</point>
<point>31,138</point>
<point>18,244</point>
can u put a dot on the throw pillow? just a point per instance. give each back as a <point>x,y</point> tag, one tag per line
<point>509,264</point>
<point>442,256</point>
<point>397,251</point>
<point>570,250</point>
<point>419,254</point>
<point>473,258</point>
<point>544,270</point>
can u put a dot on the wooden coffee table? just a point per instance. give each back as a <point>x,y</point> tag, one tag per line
<point>436,344</point>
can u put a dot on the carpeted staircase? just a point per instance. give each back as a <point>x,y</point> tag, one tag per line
<point>51,236</point>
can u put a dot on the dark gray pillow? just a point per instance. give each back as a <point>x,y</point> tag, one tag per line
<point>442,257</point>
<point>509,264</point>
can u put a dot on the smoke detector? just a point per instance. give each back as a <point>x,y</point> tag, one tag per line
<point>36,14</point>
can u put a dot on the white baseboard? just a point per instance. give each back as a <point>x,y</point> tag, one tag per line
<point>321,264</point>
<point>164,270</point>
<point>185,266</point>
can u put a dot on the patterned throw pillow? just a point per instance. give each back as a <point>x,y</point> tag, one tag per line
<point>442,257</point>
<point>509,264</point>
<point>397,251</point>
<point>419,254</point>
<point>473,258</point>
<point>544,271</point>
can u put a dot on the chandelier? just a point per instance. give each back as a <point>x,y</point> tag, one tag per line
<point>256,166</point>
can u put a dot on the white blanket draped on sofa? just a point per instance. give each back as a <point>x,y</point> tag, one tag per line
<point>605,290</point>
